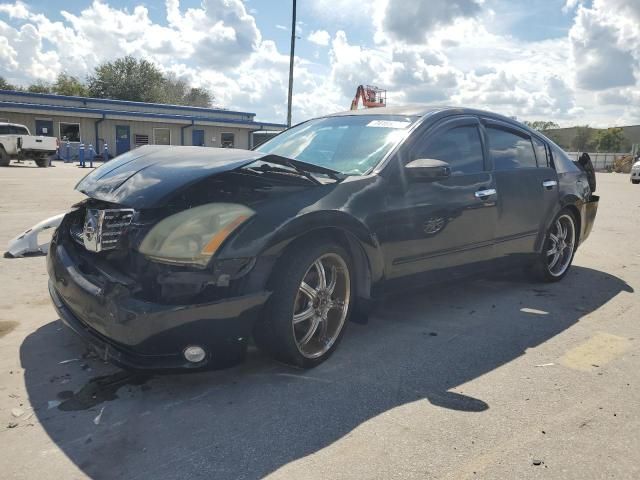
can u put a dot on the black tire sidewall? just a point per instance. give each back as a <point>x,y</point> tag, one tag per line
<point>274,332</point>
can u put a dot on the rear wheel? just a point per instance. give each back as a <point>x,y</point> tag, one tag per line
<point>42,161</point>
<point>306,314</point>
<point>558,249</point>
<point>635,182</point>
<point>4,158</point>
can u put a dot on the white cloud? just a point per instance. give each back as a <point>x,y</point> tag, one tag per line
<point>412,21</point>
<point>319,37</point>
<point>434,51</point>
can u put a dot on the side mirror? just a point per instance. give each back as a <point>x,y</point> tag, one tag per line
<point>427,170</point>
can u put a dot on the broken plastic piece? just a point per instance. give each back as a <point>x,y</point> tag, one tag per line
<point>99,417</point>
<point>27,242</point>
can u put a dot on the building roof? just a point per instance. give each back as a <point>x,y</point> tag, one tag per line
<point>105,108</point>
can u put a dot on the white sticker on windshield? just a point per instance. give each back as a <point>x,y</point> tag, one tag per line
<point>388,124</point>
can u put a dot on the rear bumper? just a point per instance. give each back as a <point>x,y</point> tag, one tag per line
<point>589,211</point>
<point>137,334</point>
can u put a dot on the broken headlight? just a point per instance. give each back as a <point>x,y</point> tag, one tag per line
<point>192,237</point>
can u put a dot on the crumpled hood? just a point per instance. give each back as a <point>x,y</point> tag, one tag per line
<point>144,177</point>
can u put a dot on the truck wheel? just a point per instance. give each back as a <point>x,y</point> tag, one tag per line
<point>42,162</point>
<point>4,158</point>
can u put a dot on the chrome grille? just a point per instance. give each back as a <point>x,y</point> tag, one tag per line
<point>102,229</point>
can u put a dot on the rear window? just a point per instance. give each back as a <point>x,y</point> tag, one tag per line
<point>15,130</point>
<point>510,151</point>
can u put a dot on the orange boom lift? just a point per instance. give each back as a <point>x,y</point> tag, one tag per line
<point>371,97</point>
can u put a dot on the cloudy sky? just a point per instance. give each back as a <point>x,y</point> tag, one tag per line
<point>571,61</point>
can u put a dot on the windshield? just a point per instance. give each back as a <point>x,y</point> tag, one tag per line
<point>348,144</point>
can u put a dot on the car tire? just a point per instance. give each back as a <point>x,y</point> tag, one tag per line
<point>4,158</point>
<point>635,182</point>
<point>304,319</point>
<point>558,249</point>
<point>42,161</point>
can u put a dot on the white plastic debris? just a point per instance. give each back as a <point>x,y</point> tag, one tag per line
<point>17,412</point>
<point>64,362</point>
<point>27,242</point>
<point>99,417</point>
<point>53,404</point>
<point>546,365</point>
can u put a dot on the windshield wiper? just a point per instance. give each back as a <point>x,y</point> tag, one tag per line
<point>304,168</point>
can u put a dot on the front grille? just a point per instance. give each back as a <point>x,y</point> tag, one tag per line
<point>101,229</point>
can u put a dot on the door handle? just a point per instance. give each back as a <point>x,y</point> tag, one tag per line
<point>549,184</point>
<point>482,194</point>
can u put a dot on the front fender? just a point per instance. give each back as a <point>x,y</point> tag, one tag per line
<point>273,243</point>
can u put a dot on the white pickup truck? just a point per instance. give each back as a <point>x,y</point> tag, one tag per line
<point>16,142</point>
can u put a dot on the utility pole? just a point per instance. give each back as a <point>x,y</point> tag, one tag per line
<point>293,48</point>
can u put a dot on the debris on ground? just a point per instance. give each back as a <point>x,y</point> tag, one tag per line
<point>545,364</point>
<point>17,412</point>
<point>53,404</point>
<point>64,362</point>
<point>537,462</point>
<point>99,417</point>
<point>12,425</point>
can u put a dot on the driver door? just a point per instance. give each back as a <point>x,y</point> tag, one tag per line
<point>433,226</point>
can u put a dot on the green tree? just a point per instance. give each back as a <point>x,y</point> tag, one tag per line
<point>69,85</point>
<point>198,97</point>
<point>127,78</point>
<point>178,92</point>
<point>4,85</point>
<point>584,139</point>
<point>39,87</point>
<point>541,125</point>
<point>610,140</point>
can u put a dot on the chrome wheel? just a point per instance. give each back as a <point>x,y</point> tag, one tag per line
<point>560,244</point>
<point>321,305</point>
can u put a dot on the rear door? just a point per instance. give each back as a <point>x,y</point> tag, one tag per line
<point>437,225</point>
<point>527,187</point>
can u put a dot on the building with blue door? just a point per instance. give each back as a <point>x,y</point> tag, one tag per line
<point>124,125</point>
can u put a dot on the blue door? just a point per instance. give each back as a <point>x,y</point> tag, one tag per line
<point>44,128</point>
<point>123,139</point>
<point>197,138</point>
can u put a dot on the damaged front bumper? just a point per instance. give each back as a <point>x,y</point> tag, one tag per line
<point>139,334</point>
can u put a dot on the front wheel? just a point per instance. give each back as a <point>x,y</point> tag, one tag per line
<point>558,249</point>
<point>312,294</point>
<point>4,158</point>
<point>635,182</point>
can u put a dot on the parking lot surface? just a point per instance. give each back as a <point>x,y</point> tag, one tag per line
<point>487,378</point>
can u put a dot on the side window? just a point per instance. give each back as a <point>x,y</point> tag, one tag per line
<point>16,130</point>
<point>509,150</point>
<point>541,152</point>
<point>4,129</point>
<point>460,147</point>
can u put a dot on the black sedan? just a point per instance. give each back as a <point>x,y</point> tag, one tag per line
<point>180,255</point>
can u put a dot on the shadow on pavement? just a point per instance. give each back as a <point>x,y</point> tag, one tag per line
<point>249,421</point>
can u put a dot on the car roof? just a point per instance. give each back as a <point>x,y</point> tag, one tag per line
<point>416,110</point>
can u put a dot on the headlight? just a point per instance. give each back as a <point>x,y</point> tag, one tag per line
<point>192,237</point>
